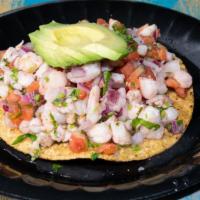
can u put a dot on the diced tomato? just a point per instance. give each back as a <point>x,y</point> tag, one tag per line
<point>14,110</point>
<point>181,92</point>
<point>34,86</point>
<point>158,53</point>
<point>2,52</point>
<point>27,113</point>
<point>127,69</point>
<point>15,113</point>
<point>17,121</point>
<point>12,98</point>
<point>82,94</point>
<point>133,56</point>
<point>149,73</point>
<point>107,149</point>
<point>78,143</point>
<point>102,22</point>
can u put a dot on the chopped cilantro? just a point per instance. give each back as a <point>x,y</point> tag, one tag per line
<point>169,127</point>
<point>71,126</point>
<point>59,103</point>
<point>53,121</point>
<point>14,74</point>
<point>46,78</point>
<point>137,122</point>
<point>129,106</point>
<point>75,94</point>
<point>56,167</point>
<point>5,61</point>
<point>106,77</point>
<point>23,137</point>
<point>37,97</point>
<point>61,95</point>
<point>136,148</point>
<point>92,144</point>
<point>121,30</point>
<point>132,84</point>
<point>162,114</point>
<point>36,154</point>
<point>94,156</point>
<point>1,78</point>
<point>179,122</point>
<point>60,100</point>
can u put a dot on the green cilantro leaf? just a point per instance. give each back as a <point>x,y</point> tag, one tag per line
<point>136,148</point>
<point>56,167</point>
<point>94,156</point>
<point>23,137</point>
<point>137,122</point>
<point>106,76</point>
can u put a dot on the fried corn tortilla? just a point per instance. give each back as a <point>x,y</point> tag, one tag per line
<point>147,149</point>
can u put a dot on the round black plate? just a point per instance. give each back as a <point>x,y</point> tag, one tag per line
<point>180,33</point>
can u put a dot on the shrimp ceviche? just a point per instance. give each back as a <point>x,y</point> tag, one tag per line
<point>93,90</point>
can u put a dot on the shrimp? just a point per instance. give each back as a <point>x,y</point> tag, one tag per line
<point>117,80</point>
<point>152,134</point>
<point>171,66</point>
<point>45,139</point>
<point>183,78</point>
<point>61,135</point>
<point>87,73</point>
<point>24,126</point>
<point>147,30</point>
<point>70,108</point>
<point>3,90</point>
<point>50,111</point>
<point>50,80</point>
<point>170,114</point>
<point>25,79</point>
<point>70,118</point>
<point>142,49</point>
<point>120,134</point>
<point>80,107</point>
<point>159,101</point>
<point>150,113</point>
<point>12,53</point>
<point>134,95</point>
<point>41,70</point>
<point>100,133</point>
<point>52,93</point>
<point>93,106</point>
<point>148,87</point>
<point>133,109</point>
<point>28,62</point>
<point>35,125</point>
<point>138,137</point>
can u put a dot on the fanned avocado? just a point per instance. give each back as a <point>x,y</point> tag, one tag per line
<point>76,44</point>
<point>51,52</point>
<point>83,54</point>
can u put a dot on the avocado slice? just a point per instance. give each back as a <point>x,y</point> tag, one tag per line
<point>76,44</point>
<point>63,39</point>
<point>50,52</point>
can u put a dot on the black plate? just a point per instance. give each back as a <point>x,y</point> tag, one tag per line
<point>174,169</point>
